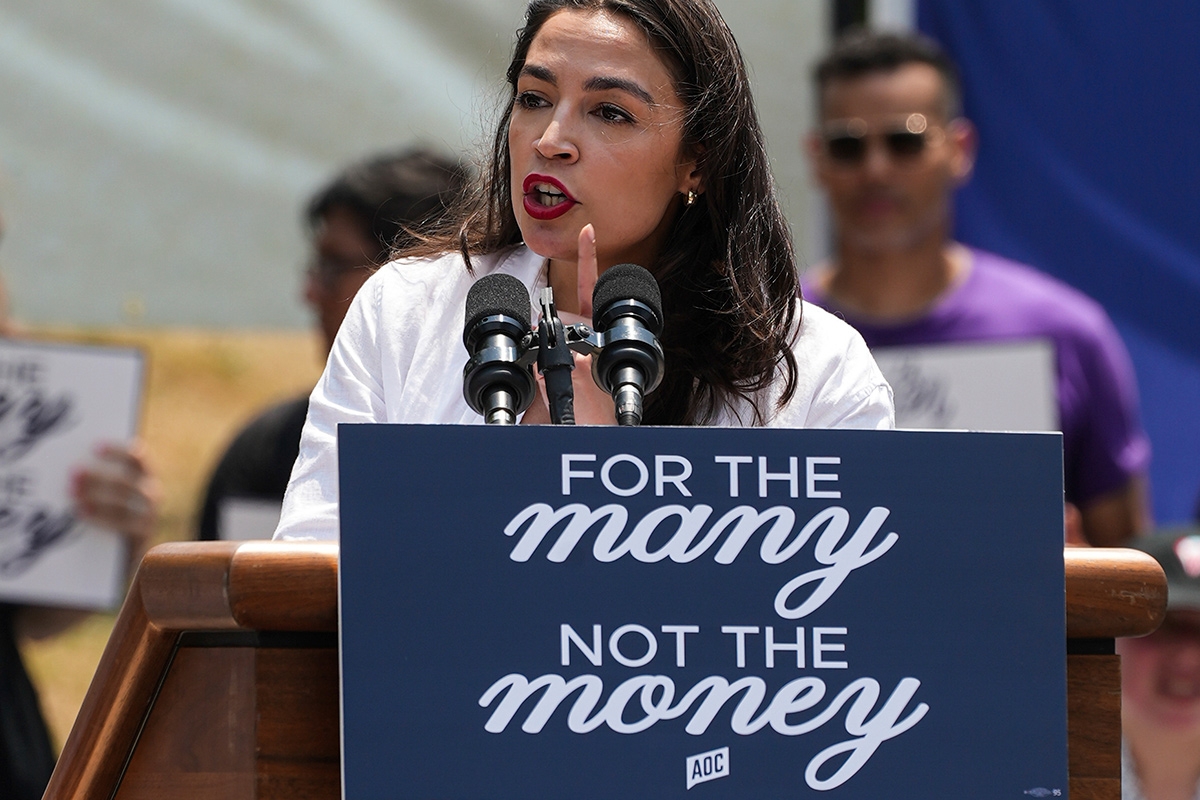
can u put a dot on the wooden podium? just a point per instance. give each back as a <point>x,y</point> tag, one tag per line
<point>221,676</point>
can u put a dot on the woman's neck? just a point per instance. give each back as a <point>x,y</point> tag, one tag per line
<point>563,278</point>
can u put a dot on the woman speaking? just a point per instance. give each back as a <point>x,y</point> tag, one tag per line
<point>631,137</point>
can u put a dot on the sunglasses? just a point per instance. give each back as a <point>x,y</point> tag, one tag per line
<point>847,142</point>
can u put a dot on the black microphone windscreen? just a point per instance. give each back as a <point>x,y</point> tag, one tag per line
<point>626,282</point>
<point>494,295</point>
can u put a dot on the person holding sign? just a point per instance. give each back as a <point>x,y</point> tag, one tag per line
<point>890,150</point>
<point>631,137</point>
<point>354,222</point>
<point>115,490</point>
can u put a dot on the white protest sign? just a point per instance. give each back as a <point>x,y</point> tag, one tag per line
<point>980,386</point>
<point>57,403</point>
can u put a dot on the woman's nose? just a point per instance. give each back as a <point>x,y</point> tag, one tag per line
<point>556,142</point>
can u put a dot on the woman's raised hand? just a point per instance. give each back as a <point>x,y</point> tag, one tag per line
<point>593,405</point>
<point>588,272</point>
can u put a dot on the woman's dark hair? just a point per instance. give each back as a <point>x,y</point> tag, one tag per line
<point>395,195</point>
<point>727,270</point>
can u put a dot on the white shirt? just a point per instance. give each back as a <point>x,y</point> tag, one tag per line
<point>399,357</point>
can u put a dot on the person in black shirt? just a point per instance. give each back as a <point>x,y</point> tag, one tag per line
<point>355,223</point>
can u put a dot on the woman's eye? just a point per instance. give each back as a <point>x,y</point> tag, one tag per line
<point>613,114</point>
<point>529,100</point>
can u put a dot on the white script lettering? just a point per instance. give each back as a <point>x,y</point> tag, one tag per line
<point>684,525</point>
<point>640,702</point>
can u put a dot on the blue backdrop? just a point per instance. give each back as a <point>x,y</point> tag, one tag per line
<point>1089,168</point>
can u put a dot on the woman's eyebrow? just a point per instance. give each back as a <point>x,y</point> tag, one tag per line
<point>598,83</point>
<point>601,83</point>
<point>540,73</point>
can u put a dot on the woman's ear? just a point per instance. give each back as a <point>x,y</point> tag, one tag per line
<point>691,171</point>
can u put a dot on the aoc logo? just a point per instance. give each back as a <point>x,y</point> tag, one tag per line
<point>708,766</point>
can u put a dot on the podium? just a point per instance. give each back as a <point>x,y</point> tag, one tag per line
<point>221,675</point>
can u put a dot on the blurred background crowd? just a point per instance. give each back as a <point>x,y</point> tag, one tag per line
<point>202,180</point>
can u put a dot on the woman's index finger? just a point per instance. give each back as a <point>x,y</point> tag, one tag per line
<point>588,269</point>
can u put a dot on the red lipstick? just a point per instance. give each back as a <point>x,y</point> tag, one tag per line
<point>545,197</point>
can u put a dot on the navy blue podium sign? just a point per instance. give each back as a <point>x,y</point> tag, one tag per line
<point>576,612</point>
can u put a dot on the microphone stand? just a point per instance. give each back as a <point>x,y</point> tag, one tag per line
<point>555,362</point>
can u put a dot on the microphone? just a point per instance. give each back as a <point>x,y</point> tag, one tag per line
<point>627,313</point>
<point>496,383</point>
<point>556,362</point>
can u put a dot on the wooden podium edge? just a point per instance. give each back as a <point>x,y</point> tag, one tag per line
<point>1113,592</point>
<point>184,586</point>
<point>282,586</point>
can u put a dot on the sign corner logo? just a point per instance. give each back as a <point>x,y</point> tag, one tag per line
<point>704,767</point>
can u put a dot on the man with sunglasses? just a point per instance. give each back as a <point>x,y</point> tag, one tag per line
<point>890,150</point>
<point>354,223</point>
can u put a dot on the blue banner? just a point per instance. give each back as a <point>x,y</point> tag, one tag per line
<point>1088,170</point>
<point>704,613</point>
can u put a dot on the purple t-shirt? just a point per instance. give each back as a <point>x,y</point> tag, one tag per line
<point>1103,441</point>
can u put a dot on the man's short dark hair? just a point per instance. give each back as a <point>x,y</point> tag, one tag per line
<point>396,195</point>
<point>861,52</point>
